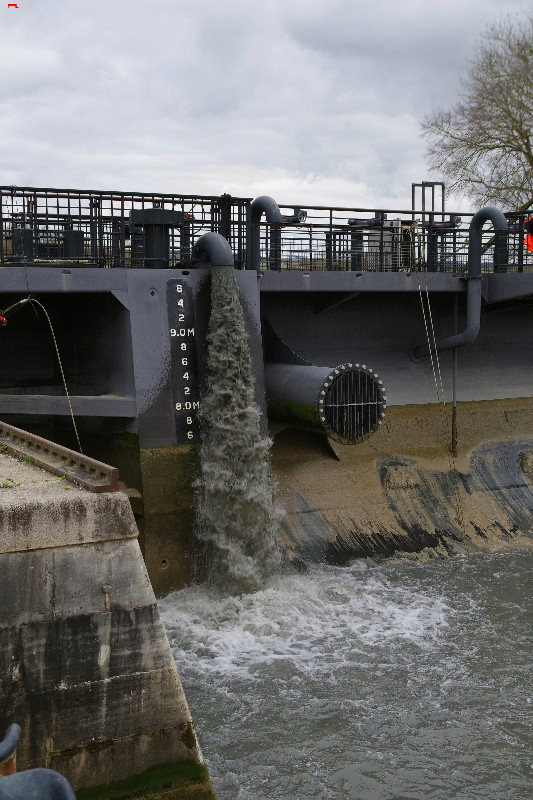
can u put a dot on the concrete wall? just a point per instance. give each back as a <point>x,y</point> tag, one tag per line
<point>400,491</point>
<point>85,665</point>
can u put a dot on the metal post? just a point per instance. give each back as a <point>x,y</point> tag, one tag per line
<point>225,217</point>
<point>356,247</point>
<point>329,251</point>
<point>381,240</point>
<point>521,232</point>
<point>454,378</point>
<point>429,246</point>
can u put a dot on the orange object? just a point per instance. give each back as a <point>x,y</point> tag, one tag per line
<point>9,766</point>
<point>8,750</point>
<point>528,241</point>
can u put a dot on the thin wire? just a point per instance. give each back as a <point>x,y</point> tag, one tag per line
<point>33,301</point>
<point>445,417</point>
<point>432,346</point>
<point>447,428</point>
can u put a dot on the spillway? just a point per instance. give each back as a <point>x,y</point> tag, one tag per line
<point>237,518</point>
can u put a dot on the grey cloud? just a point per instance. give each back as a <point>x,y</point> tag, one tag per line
<point>313,102</point>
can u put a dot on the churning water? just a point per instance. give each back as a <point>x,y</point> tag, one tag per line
<point>236,514</point>
<point>406,681</point>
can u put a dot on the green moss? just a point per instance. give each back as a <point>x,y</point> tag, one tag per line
<point>184,781</point>
<point>167,475</point>
<point>293,412</point>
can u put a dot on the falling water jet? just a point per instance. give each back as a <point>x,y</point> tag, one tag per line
<point>236,515</point>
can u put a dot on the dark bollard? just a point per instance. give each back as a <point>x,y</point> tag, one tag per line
<point>31,784</point>
<point>36,784</point>
<point>8,748</point>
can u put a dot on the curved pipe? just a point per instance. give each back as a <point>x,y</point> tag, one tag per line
<point>212,247</point>
<point>261,205</point>
<point>474,235</point>
<point>46,784</point>
<point>473,298</point>
<point>8,745</point>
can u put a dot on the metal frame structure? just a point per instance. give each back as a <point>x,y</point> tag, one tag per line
<point>114,229</point>
<point>149,230</point>
<point>397,240</point>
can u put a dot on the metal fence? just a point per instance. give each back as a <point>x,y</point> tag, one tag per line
<point>114,229</point>
<point>121,229</point>
<point>340,239</point>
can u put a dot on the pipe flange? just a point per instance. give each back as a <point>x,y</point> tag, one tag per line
<point>351,403</point>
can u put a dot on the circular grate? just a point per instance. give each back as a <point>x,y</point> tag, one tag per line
<point>351,403</point>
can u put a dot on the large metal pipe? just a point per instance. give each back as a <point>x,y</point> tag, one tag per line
<point>261,205</point>
<point>473,299</point>
<point>347,402</point>
<point>212,248</point>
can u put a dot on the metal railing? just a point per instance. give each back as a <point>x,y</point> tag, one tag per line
<point>132,230</point>
<point>341,239</point>
<point>113,229</point>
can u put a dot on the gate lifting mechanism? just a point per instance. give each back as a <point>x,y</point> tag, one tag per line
<point>134,230</point>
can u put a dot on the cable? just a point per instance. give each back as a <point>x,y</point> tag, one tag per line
<point>432,347</point>
<point>36,302</point>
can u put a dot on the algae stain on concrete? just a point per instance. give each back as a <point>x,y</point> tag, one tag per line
<point>397,493</point>
<point>168,522</point>
<point>183,781</point>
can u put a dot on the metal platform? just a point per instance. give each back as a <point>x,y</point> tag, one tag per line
<point>75,228</point>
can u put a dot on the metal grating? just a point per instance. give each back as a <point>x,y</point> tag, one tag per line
<point>352,402</point>
<point>112,229</point>
<point>87,472</point>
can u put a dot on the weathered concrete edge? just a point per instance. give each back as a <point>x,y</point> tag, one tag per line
<point>170,781</point>
<point>56,515</point>
<point>58,460</point>
<point>69,527</point>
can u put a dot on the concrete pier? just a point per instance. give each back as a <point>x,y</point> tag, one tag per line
<point>85,665</point>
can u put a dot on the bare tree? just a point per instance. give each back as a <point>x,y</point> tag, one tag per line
<point>482,145</point>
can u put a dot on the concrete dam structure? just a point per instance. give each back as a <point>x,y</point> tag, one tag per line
<point>359,324</point>
<point>86,669</point>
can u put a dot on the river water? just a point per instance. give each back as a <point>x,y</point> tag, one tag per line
<point>408,680</point>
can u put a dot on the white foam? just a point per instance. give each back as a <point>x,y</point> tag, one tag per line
<point>318,622</point>
<point>406,679</point>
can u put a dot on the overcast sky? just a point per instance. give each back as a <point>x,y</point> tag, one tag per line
<point>309,101</point>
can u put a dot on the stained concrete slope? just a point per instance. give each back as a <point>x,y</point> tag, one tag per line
<point>85,665</point>
<point>401,492</point>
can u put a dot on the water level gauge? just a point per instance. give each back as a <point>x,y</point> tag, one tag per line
<point>184,366</point>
